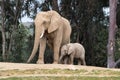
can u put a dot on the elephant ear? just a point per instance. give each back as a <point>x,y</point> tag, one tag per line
<point>70,49</point>
<point>54,22</point>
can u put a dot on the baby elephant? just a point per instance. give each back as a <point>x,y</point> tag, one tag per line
<point>73,50</point>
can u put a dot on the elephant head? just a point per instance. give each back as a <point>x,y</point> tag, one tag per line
<point>44,22</point>
<point>70,49</point>
<point>64,51</point>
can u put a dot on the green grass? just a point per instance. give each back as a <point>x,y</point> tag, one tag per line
<point>56,71</point>
<point>63,78</point>
<point>41,71</point>
<point>49,74</point>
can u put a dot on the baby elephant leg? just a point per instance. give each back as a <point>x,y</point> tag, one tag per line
<point>79,61</point>
<point>65,60</point>
<point>71,59</point>
<point>83,61</point>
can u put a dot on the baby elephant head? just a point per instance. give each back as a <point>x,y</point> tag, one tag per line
<point>66,50</point>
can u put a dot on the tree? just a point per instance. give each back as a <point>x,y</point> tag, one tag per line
<point>55,5</point>
<point>3,31</point>
<point>87,21</point>
<point>111,35</point>
<point>11,13</point>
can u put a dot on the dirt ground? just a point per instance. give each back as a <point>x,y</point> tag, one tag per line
<point>25,66</point>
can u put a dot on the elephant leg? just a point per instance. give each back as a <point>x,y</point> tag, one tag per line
<point>66,60</point>
<point>71,58</point>
<point>83,61</point>
<point>56,46</point>
<point>56,54</point>
<point>50,44</point>
<point>41,51</point>
<point>61,60</point>
<point>79,61</point>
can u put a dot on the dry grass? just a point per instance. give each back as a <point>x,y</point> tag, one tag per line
<point>59,72</point>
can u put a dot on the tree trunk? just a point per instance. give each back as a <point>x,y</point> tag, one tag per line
<point>3,32</point>
<point>55,5</point>
<point>111,34</point>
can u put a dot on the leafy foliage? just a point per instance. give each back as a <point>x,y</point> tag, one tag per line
<point>18,52</point>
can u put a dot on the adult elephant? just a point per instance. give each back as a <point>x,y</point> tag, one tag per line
<point>53,29</point>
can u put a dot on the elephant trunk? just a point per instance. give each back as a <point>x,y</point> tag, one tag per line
<point>60,60</point>
<point>36,44</point>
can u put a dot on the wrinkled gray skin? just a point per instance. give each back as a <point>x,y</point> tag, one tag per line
<point>73,50</point>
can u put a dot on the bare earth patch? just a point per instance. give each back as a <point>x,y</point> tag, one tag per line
<point>25,70</point>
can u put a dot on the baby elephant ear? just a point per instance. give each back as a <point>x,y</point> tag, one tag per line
<point>54,21</point>
<point>70,50</point>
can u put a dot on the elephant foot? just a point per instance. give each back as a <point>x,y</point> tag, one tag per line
<point>55,62</point>
<point>40,62</point>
